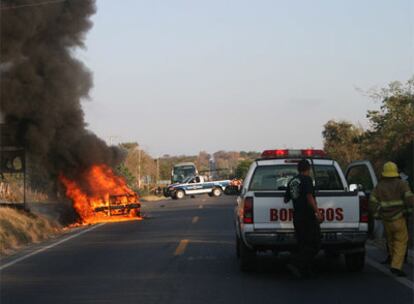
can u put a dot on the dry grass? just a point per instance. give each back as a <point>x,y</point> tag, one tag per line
<point>18,228</point>
<point>12,191</point>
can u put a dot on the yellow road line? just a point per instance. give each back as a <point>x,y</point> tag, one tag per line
<point>181,247</point>
<point>195,219</point>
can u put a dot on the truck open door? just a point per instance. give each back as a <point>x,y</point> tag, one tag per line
<point>361,176</point>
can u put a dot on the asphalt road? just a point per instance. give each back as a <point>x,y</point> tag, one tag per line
<point>183,252</point>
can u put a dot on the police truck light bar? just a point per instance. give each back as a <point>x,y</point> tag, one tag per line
<point>283,153</point>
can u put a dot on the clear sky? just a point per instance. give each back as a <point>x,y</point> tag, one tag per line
<point>183,76</point>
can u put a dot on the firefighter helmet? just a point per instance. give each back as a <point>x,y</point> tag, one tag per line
<point>390,170</point>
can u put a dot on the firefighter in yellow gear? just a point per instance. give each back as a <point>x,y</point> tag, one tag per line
<point>392,201</point>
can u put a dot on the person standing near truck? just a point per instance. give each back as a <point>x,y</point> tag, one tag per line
<point>306,219</point>
<point>392,200</point>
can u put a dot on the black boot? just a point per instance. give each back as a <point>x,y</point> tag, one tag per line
<point>398,272</point>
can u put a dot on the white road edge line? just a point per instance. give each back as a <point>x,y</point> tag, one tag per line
<point>386,271</point>
<point>2,267</point>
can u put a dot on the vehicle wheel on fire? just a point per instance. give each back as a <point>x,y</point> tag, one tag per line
<point>217,192</point>
<point>179,194</point>
<point>355,262</point>
<point>133,212</point>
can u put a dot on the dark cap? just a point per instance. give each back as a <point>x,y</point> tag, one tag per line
<point>303,165</point>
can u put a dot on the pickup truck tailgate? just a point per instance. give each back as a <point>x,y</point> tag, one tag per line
<point>340,210</point>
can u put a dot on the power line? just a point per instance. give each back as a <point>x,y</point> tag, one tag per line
<point>18,6</point>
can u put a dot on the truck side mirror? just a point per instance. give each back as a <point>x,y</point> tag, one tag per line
<point>356,187</point>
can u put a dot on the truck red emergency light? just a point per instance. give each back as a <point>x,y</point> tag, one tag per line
<point>283,153</point>
<point>248,210</point>
<point>363,209</point>
<point>274,153</point>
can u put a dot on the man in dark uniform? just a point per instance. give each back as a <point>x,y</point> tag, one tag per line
<point>306,219</point>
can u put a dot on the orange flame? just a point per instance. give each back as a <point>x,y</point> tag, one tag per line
<point>98,195</point>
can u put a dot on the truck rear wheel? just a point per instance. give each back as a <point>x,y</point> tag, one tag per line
<point>247,256</point>
<point>217,192</point>
<point>355,262</point>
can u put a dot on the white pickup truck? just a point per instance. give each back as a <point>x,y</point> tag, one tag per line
<point>264,222</point>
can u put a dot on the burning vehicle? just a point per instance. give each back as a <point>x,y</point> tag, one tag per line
<point>42,87</point>
<point>98,195</point>
<point>121,205</point>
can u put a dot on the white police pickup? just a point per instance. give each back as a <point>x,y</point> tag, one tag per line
<point>264,222</point>
<point>197,185</point>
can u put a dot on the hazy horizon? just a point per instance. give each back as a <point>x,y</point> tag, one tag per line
<point>188,76</point>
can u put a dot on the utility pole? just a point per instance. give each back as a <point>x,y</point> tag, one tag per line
<point>157,177</point>
<point>24,179</point>
<point>139,167</point>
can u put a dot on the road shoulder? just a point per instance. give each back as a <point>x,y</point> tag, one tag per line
<point>36,248</point>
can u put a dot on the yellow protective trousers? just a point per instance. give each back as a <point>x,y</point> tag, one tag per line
<point>397,238</point>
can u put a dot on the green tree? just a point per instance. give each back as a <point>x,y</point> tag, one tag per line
<point>342,141</point>
<point>392,126</point>
<point>139,163</point>
<point>390,136</point>
<point>242,168</point>
<point>123,171</point>
<point>391,133</point>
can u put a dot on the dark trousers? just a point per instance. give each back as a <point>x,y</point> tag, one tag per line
<point>308,236</point>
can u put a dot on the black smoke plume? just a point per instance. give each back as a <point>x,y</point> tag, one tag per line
<point>42,84</point>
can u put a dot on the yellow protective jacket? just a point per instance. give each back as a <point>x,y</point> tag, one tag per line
<point>391,199</point>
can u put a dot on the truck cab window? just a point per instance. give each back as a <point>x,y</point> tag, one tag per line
<point>327,178</point>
